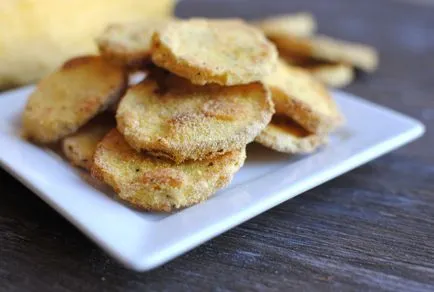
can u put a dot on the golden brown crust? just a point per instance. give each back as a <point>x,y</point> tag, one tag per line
<point>184,121</point>
<point>335,75</point>
<point>155,184</point>
<point>80,146</point>
<point>129,44</point>
<point>332,74</point>
<point>301,24</point>
<point>68,98</point>
<point>325,48</point>
<point>284,135</point>
<point>225,52</point>
<point>134,78</point>
<point>298,95</point>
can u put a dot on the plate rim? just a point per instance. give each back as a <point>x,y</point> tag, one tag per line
<point>157,258</point>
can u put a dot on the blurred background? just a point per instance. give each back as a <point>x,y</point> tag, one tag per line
<point>38,35</point>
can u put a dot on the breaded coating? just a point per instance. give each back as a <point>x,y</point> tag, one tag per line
<point>332,74</point>
<point>225,52</point>
<point>134,78</point>
<point>361,56</point>
<point>180,121</point>
<point>302,24</point>
<point>336,75</point>
<point>155,184</point>
<point>285,135</point>
<point>129,44</point>
<point>68,98</point>
<point>301,97</point>
<point>80,146</point>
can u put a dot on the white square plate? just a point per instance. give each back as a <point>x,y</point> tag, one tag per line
<point>142,240</point>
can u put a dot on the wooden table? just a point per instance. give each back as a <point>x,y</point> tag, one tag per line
<point>370,229</point>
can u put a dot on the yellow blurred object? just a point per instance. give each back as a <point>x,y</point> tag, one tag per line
<point>36,36</point>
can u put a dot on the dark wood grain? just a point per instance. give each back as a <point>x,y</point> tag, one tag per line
<point>370,229</point>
